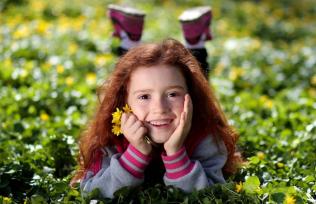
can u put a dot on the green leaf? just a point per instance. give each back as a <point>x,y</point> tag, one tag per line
<point>252,184</point>
<point>278,197</point>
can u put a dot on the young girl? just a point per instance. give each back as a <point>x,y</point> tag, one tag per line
<point>176,133</point>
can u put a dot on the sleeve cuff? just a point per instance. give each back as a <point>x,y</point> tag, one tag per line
<point>134,161</point>
<point>178,164</point>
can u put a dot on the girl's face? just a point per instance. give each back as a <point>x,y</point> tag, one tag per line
<point>156,96</point>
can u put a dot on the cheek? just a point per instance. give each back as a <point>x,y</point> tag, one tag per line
<point>178,107</point>
<point>139,112</point>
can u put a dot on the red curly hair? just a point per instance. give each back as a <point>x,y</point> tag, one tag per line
<point>208,117</point>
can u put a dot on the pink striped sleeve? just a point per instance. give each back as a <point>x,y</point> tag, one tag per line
<point>178,164</point>
<point>134,161</point>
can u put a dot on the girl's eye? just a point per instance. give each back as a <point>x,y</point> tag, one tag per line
<point>143,97</point>
<point>172,94</point>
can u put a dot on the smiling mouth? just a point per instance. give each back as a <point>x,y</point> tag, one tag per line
<point>160,123</point>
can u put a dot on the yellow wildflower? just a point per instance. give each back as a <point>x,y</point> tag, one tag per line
<point>260,155</point>
<point>239,187</point>
<point>280,165</point>
<point>42,27</point>
<point>117,116</point>
<point>312,92</point>
<point>236,72</point>
<point>127,109</point>
<point>22,32</point>
<point>44,117</point>
<point>91,78</point>
<point>60,69</point>
<point>24,73</point>
<point>46,66</point>
<point>278,61</point>
<point>72,48</point>
<point>256,44</point>
<point>102,59</point>
<point>267,102</point>
<point>69,81</point>
<point>289,199</point>
<point>37,5</point>
<point>8,63</point>
<point>78,23</point>
<point>7,200</point>
<point>116,129</point>
<point>116,119</point>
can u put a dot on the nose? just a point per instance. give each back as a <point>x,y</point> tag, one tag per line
<point>160,105</point>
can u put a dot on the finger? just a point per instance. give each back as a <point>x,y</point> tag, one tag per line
<point>131,119</point>
<point>182,122</point>
<point>187,103</point>
<point>123,121</point>
<point>188,107</point>
<point>123,118</point>
<point>134,127</point>
<point>140,132</point>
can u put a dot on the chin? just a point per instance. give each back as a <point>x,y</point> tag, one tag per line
<point>159,139</point>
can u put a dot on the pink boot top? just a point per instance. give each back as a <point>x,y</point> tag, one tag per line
<point>195,22</point>
<point>127,19</point>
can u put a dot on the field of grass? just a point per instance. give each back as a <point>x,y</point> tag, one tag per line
<point>54,54</point>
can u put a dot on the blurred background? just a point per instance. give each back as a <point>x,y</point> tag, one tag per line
<point>54,54</point>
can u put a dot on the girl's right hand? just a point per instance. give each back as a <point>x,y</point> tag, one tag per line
<point>134,131</point>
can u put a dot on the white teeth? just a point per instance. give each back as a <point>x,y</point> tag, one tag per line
<point>165,122</point>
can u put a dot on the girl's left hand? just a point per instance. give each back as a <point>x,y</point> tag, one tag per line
<point>176,140</point>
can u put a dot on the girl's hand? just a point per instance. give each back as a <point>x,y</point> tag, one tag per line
<point>134,131</point>
<point>176,140</point>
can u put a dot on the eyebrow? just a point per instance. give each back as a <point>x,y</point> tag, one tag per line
<point>149,90</point>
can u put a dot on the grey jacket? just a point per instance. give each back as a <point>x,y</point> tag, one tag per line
<point>209,158</point>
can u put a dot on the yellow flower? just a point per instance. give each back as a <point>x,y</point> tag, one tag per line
<point>37,5</point>
<point>7,200</point>
<point>267,102</point>
<point>8,63</point>
<point>280,165</point>
<point>101,60</point>
<point>116,129</point>
<point>46,66</point>
<point>312,92</point>
<point>260,155</point>
<point>117,116</point>
<point>236,72</point>
<point>256,44</point>
<point>22,32</point>
<point>42,27</point>
<point>24,73</point>
<point>72,48</point>
<point>60,69</point>
<point>91,78</point>
<point>44,116</point>
<point>116,119</point>
<point>239,187</point>
<point>69,81</point>
<point>127,109</point>
<point>289,199</point>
